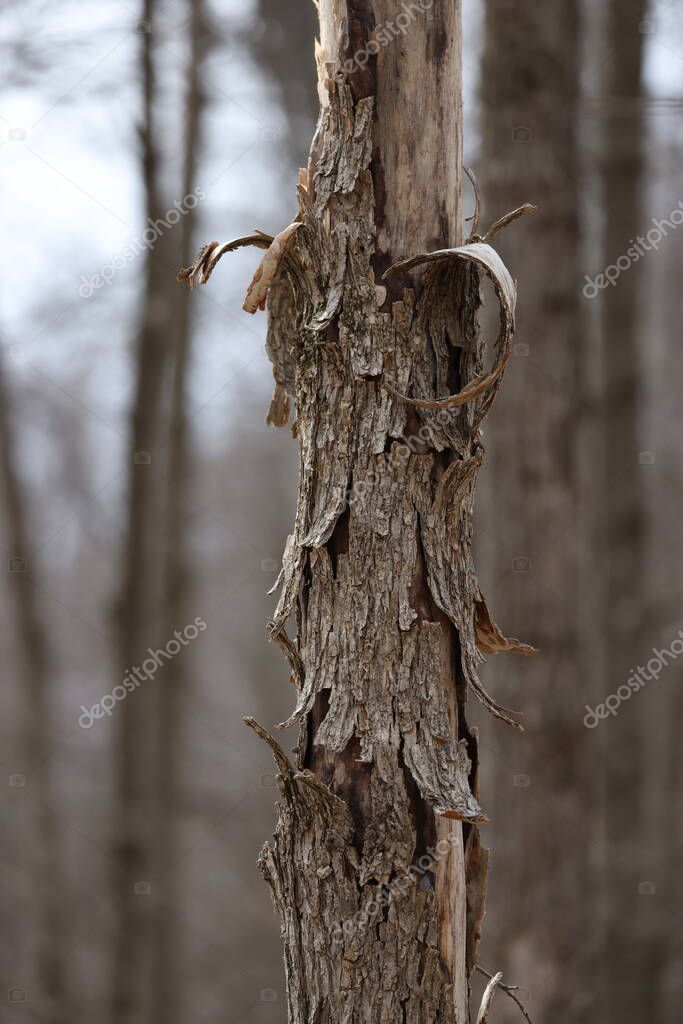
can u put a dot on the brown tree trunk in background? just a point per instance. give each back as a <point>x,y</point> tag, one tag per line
<point>136,718</point>
<point>376,869</point>
<point>627,994</point>
<point>48,995</point>
<point>665,709</point>
<point>281,43</point>
<point>177,576</point>
<point>530,91</point>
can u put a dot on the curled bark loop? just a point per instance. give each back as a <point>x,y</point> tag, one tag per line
<point>211,252</point>
<point>486,258</point>
<point>266,272</point>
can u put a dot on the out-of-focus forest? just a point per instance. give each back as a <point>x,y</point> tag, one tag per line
<point>145,504</point>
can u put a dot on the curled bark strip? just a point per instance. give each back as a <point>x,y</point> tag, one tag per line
<point>446,528</point>
<point>476,871</point>
<point>257,292</point>
<point>488,259</point>
<point>496,709</point>
<point>478,252</point>
<point>508,989</point>
<point>490,638</point>
<point>503,222</point>
<point>477,203</point>
<point>281,341</point>
<point>467,394</point>
<point>289,649</point>
<point>211,252</point>
<point>487,999</point>
<point>278,413</point>
<point>281,760</point>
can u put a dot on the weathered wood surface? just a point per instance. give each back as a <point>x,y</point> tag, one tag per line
<point>377,870</point>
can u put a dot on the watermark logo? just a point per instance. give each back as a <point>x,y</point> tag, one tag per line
<point>521,134</point>
<point>636,681</point>
<point>638,247</point>
<point>147,240</point>
<point>137,675</point>
<point>397,887</point>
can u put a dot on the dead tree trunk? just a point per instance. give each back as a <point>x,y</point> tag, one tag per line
<point>530,88</point>
<point>49,998</point>
<point>377,870</point>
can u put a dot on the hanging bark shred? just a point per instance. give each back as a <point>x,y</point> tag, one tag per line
<point>210,253</point>
<point>359,921</point>
<point>490,639</point>
<point>257,292</point>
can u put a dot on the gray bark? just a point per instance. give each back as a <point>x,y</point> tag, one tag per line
<point>377,870</point>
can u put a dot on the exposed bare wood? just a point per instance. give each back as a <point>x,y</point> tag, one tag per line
<point>509,990</point>
<point>487,999</point>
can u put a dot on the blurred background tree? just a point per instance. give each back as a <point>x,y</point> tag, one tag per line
<point>530,134</point>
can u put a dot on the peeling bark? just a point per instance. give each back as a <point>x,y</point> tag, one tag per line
<point>377,870</point>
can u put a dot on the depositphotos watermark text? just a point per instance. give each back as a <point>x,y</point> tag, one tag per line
<point>385,34</point>
<point>638,247</point>
<point>138,674</point>
<point>399,886</point>
<point>636,681</point>
<point>147,240</point>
